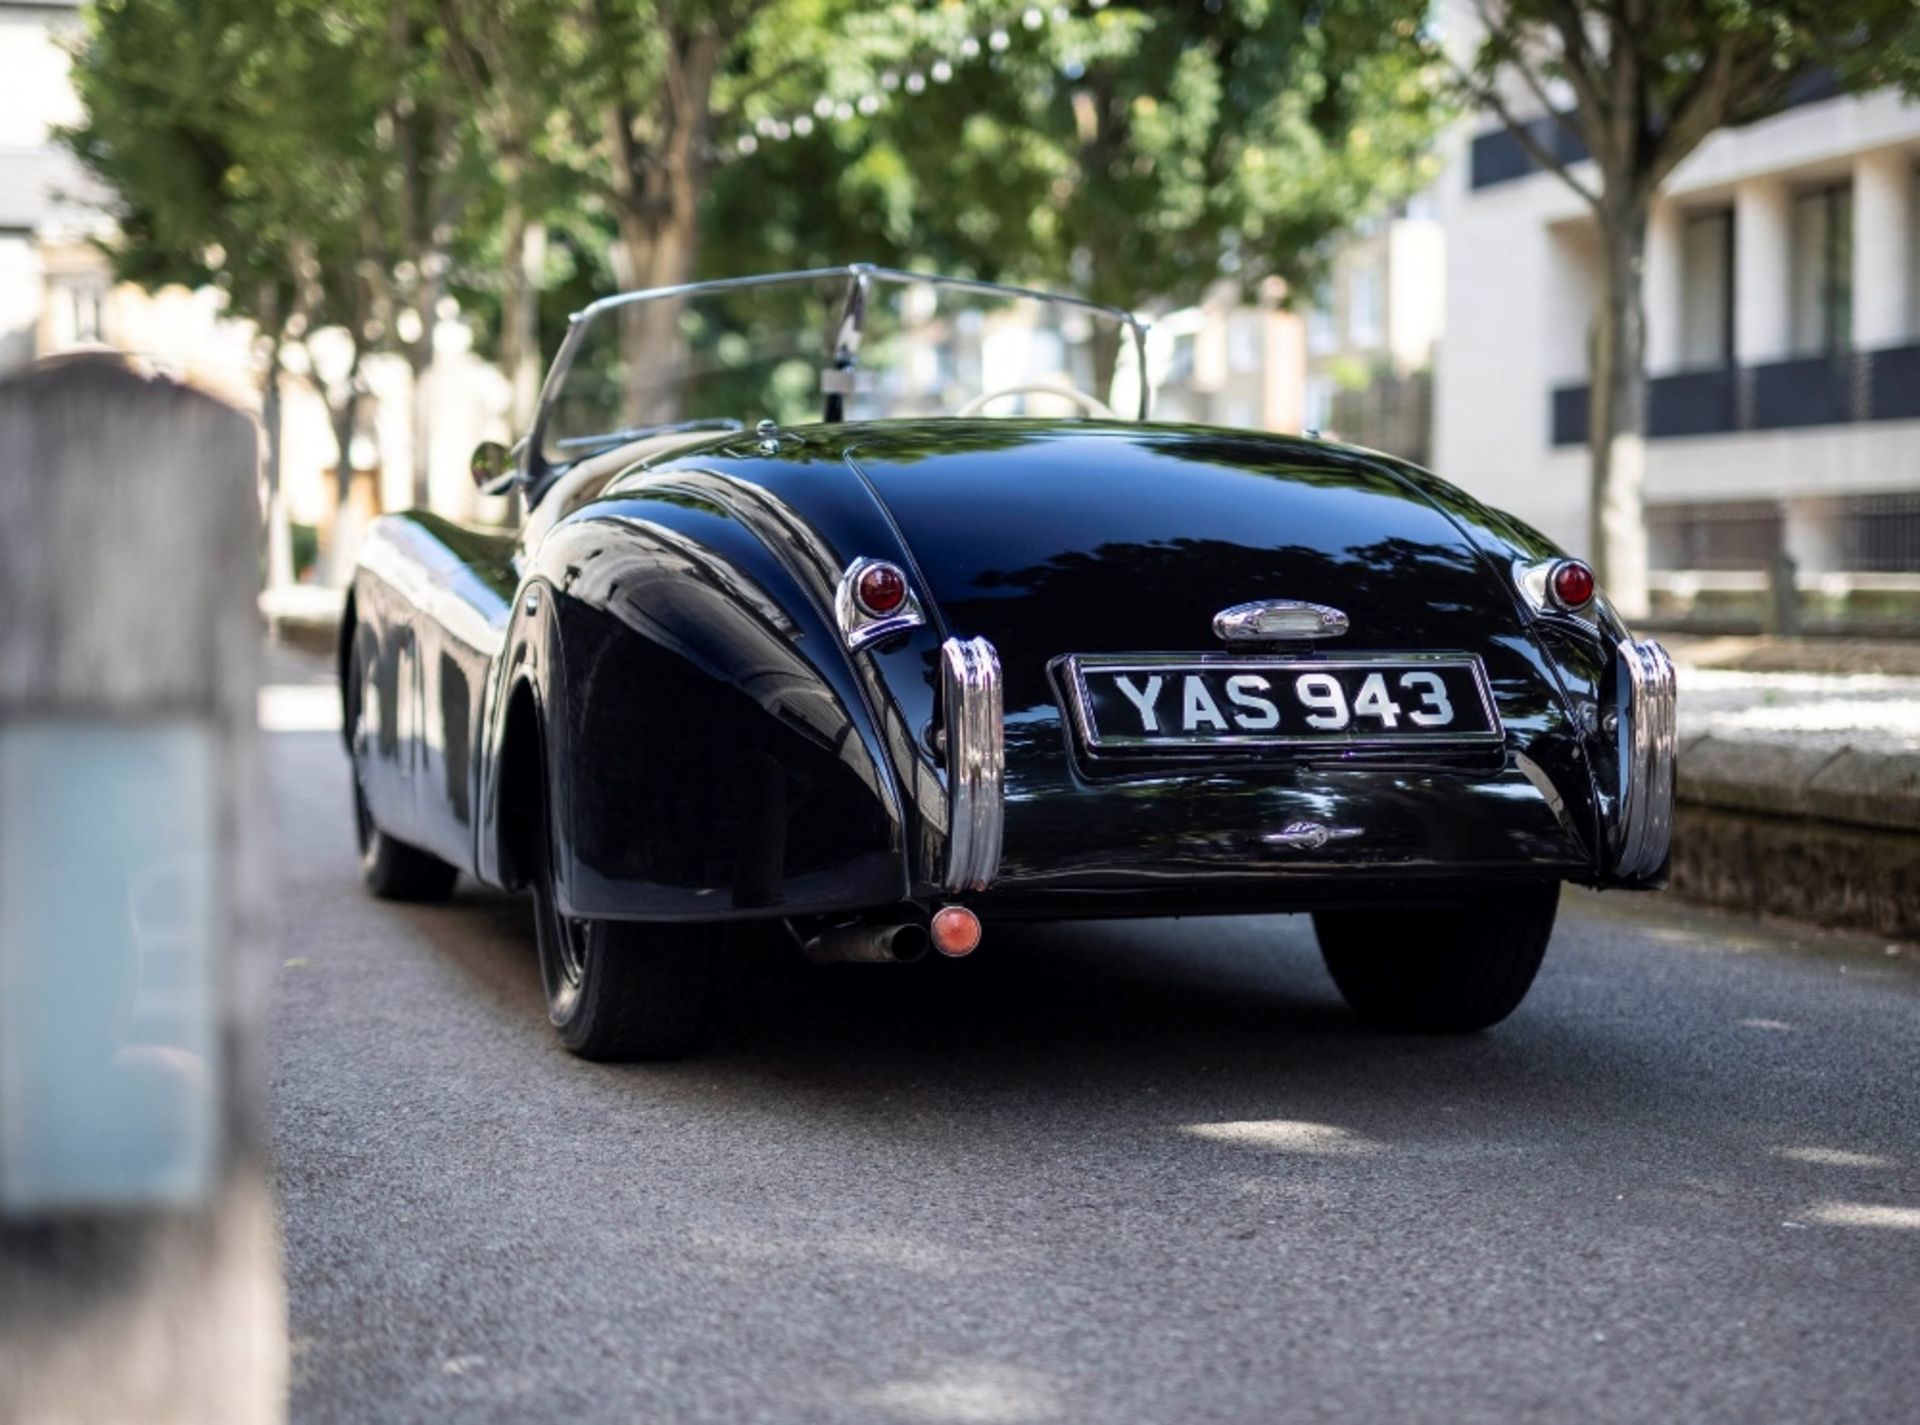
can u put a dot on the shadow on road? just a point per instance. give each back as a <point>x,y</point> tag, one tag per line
<point>1174,1022</point>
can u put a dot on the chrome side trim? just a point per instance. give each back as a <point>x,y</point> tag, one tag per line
<point>858,628</point>
<point>976,762</point>
<point>1278,621</point>
<point>1648,750</point>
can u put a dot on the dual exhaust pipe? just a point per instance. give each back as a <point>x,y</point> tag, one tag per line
<point>953,930</point>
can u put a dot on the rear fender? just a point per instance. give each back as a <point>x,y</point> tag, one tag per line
<point>710,746</point>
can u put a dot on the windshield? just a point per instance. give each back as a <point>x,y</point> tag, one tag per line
<point>841,344</point>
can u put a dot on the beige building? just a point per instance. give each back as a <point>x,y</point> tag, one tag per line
<point>1355,365</point>
<point>1371,337</point>
<point>1226,362</point>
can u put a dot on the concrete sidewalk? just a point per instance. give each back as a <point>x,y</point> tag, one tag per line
<point>1799,793</point>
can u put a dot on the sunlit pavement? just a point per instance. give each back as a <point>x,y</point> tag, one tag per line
<point>1113,1172</point>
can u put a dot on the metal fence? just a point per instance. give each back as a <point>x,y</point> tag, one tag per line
<point>1837,388</point>
<point>1847,564</point>
<point>1390,413</point>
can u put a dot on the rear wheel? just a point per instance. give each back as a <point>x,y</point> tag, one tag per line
<point>392,869</point>
<point>621,990</point>
<point>1440,971</point>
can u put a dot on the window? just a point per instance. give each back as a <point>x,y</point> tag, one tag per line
<point>1243,341</point>
<point>1822,270</point>
<point>1913,251</point>
<point>87,324</point>
<point>1180,368</point>
<point>1319,403</point>
<point>1366,319</point>
<point>1706,291</point>
<point>1735,535</point>
<point>1322,335</point>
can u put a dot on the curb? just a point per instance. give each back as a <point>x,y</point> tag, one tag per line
<point>304,617</point>
<point>1851,786</point>
<point>1817,834</point>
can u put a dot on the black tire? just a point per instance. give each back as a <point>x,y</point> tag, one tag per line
<point>1440,971</point>
<point>619,990</point>
<point>392,870</point>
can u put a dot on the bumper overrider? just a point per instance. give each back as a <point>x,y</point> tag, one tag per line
<point>976,762</point>
<point>1648,751</point>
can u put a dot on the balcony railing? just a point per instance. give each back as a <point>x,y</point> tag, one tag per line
<point>1498,157</point>
<point>1808,391</point>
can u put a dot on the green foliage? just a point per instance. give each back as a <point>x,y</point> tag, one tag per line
<point>315,156</point>
<point>1130,152</point>
<point>236,135</point>
<point>306,549</point>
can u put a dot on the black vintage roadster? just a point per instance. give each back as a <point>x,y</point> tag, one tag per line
<point>869,605</point>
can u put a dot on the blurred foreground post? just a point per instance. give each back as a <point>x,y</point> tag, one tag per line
<point>139,1262</point>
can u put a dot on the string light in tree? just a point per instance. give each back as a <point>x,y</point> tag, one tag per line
<point>893,83</point>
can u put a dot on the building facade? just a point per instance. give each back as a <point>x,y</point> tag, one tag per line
<point>1371,336</point>
<point>1782,287</point>
<point>1229,362</point>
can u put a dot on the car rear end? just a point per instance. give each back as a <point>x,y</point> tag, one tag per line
<point>1392,714</point>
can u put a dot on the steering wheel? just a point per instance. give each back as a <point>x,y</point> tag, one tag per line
<point>1091,405</point>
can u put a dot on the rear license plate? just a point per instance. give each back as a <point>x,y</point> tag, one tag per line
<point>1170,701</point>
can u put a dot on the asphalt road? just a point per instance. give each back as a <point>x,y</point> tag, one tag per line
<point>1129,1172</point>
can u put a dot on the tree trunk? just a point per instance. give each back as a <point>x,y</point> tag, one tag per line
<point>280,570</point>
<point>526,252</point>
<point>1107,340</point>
<point>1617,415</point>
<point>420,409</point>
<point>659,215</point>
<point>336,561</point>
<point>655,250</point>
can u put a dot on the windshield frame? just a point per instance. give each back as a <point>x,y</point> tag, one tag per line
<point>845,356</point>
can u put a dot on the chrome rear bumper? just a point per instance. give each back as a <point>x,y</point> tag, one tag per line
<point>1648,749</point>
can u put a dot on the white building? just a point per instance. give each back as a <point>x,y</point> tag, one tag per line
<point>1783,342</point>
<point>53,289</point>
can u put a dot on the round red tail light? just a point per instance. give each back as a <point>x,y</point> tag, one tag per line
<point>881,589</point>
<point>1571,583</point>
<point>956,931</point>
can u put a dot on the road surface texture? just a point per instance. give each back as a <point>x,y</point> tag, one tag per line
<point>1127,1172</point>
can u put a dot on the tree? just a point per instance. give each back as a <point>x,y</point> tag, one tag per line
<point>309,160</point>
<point>1135,153</point>
<point>1636,86</point>
<point>423,125</point>
<point>366,149</point>
<point>515,57</point>
<point>202,119</point>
